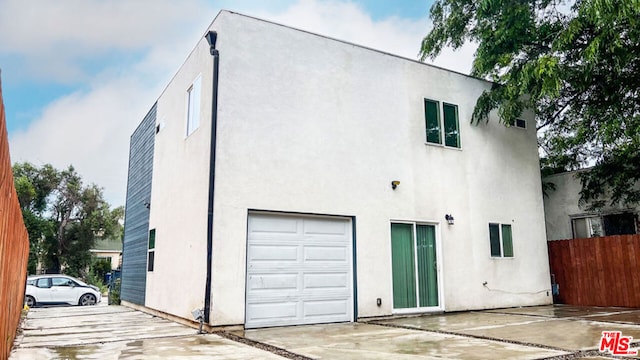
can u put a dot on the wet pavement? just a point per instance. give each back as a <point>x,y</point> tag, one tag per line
<point>539,332</point>
<point>117,332</point>
<point>579,331</point>
<point>368,341</point>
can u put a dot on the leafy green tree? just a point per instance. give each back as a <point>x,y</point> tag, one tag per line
<point>63,217</point>
<point>100,267</point>
<point>576,63</point>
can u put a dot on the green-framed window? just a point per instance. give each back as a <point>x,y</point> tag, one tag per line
<point>432,120</point>
<point>501,240</point>
<point>152,247</point>
<point>449,128</point>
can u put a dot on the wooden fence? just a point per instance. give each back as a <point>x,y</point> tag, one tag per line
<point>601,271</point>
<point>14,247</point>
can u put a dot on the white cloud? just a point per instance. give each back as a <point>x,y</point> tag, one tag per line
<point>58,38</point>
<point>91,129</point>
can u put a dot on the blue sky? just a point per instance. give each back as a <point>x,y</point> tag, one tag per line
<point>78,75</point>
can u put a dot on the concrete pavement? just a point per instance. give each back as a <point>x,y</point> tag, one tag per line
<point>369,341</point>
<point>555,332</point>
<point>541,332</point>
<point>117,332</point>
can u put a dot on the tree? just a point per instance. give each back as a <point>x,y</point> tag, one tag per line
<point>577,64</point>
<point>63,217</point>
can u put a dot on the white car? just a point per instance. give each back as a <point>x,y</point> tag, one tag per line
<point>60,289</point>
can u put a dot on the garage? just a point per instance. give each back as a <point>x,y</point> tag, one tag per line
<point>299,270</point>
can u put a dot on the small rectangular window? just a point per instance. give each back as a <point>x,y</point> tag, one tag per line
<point>519,123</point>
<point>151,261</point>
<point>619,224</point>
<point>432,120</point>
<point>193,106</point>
<point>152,239</point>
<point>451,130</point>
<point>152,246</point>
<point>494,238</point>
<point>501,240</point>
<point>586,227</point>
<point>507,243</point>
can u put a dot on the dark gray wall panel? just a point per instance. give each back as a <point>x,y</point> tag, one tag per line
<point>136,220</point>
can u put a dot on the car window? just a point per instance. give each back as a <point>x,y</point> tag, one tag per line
<point>44,283</point>
<point>31,281</point>
<point>59,281</point>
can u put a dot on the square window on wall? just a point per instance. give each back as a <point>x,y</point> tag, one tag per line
<point>500,240</point>
<point>586,227</point>
<point>193,105</point>
<point>449,129</point>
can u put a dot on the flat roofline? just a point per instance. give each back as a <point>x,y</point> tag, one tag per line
<point>349,43</point>
<point>314,34</point>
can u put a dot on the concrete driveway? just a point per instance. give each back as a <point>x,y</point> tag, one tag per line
<point>542,332</point>
<point>117,332</point>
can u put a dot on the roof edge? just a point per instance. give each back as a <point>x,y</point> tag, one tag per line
<point>351,43</point>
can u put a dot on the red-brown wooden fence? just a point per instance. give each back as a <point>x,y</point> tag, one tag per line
<point>600,271</point>
<point>14,247</point>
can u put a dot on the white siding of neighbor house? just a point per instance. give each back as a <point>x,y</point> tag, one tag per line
<point>308,124</point>
<point>563,204</point>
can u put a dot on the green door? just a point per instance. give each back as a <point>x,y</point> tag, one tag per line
<point>405,250</point>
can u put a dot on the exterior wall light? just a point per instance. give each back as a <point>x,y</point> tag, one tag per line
<point>394,184</point>
<point>449,219</point>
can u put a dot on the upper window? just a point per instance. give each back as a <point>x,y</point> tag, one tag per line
<point>519,123</point>
<point>605,225</point>
<point>587,227</point>
<point>193,106</point>
<point>501,240</point>
<point>450,130</point>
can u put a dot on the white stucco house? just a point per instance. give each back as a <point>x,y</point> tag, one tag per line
<point>568,218</point>
<point>291,178</point>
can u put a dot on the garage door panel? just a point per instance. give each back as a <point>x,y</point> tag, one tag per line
<point>334,308</point>
<point>324,227</point>
<point>273,253</point>
<point>268,224</point>
<point>285,311</point>
<point>326,281</point>
<point>280,281</point>
<point>326,253</point>
<point>308,270</point>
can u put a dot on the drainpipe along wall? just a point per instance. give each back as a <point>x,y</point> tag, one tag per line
<point>211,38</point>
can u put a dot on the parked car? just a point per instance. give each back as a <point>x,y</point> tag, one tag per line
<point>60,289</point>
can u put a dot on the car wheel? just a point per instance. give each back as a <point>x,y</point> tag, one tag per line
<point>87,299</point>
<point>30,301</point>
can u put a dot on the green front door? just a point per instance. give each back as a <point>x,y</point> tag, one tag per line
<point>411,244</point>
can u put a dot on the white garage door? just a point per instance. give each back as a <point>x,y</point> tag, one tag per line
<point>299,270</point>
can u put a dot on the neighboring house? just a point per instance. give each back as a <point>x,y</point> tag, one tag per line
<point>109,249</point>
<point>333,172</point>
<point>567,218</point>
